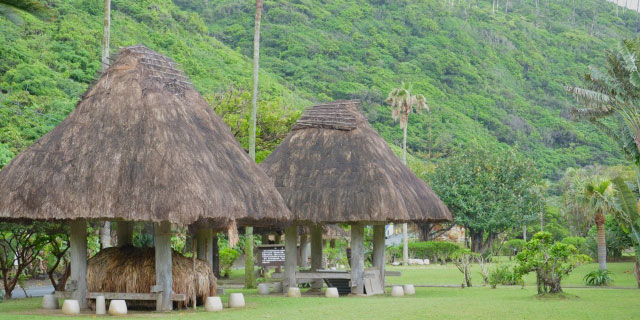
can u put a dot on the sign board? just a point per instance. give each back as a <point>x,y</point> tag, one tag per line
<point>271,255</point>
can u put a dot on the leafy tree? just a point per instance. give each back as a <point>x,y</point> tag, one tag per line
<point>11,9</point>
<point>403,103</point>
<point>550,261</point>
<point>628,217</point>
<point>19,248</point>
<point>488,192</point>
<point>599,199</point>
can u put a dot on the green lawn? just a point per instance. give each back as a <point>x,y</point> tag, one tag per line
<point>437,303</point>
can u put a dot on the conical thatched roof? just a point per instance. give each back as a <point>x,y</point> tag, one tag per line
<point>334,168</point>
<point>142,144</point>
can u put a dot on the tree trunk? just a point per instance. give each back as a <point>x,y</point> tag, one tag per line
<point>405,233</point>
<point>106,36</point>
<point>637,272</point>
<point>256,68</point>
<point>524,233</point>
<point>602,245</point>
<point>249,276</point>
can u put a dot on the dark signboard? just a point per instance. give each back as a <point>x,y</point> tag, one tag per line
<point>271,255</point>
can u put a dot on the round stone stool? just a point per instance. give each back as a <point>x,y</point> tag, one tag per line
<point>277,287</point>
<point>331,293</point>
<point>397,291</point>
<point>409,289</point>
<point>213,304</point>
<point>101,306</point>
<point>49,302</point>
<point>236,300</point>
<point>294,292</point>
<point>71,307</point>
<point>117,308</point>
<point>263,288</point>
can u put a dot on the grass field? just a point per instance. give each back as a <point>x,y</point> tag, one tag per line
<point>478,302</point>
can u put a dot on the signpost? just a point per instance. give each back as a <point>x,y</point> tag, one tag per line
<point>271,255</point>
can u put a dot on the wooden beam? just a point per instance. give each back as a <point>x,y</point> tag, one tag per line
<point>378,249</point>
<point>121,295</point>
<point>316,254</point>
<point>164,278</point>
<point>78,256</point>
<point>124,233</point>
<point>291,256</point>
<point>357,258</point>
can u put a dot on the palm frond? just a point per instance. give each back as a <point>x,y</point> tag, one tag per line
<point>590,98</point>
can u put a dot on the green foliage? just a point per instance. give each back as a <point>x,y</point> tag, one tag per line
<point>503,274</point>
<point>228,257</point>
<point>580,243</point>
<point>551,261</point>
<point>512,246</point>
<point>489,192</point>
<point>598,278</point>
<point>617,240</point>
<point>436,251</point>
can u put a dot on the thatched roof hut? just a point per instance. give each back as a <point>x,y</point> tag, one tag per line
<point>141,145</point>
<point>334,168</point>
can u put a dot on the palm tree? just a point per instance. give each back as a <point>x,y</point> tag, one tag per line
<point>614,93</point>
<point>105,229</point>
<point>599,200</point>
<point>11,9</point>
<point>402,103</point>
<point>249,278</point>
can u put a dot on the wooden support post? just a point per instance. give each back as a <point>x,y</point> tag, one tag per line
<point>216,255</point>
<point>124,233</point>
<point>164,278</point>
<point>316,255</point>
<point>291,257</point>
<point>357,258</point>
<point>78,255</point>
<point>305,248</point>
<point>201,239</point>
<point>379,249</point>
<point>209,247</point>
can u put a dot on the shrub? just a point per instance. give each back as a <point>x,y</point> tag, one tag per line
<point>551,261</point>
<point>511,246</point>
<point>598,278</point>
<point>227,257</point>
<point>504,275</point>
<point>434,250</point>
<point>579,242</point>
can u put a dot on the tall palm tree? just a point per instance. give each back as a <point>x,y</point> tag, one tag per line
<point>614,93</point>
<point>105,229</point>
<point>11,9</point>
<point>403,103</point>
<point>249,277</point>
<point>599,200</point>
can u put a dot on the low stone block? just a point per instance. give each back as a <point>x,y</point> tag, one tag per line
<point>331,293</point>
<point>101,306</point>
<point>294,292</point>
<point>50,302</point>
<point>213,304</point>
<point>397,291</point>
<point>277,287</point>
<point>236,300</point>
<point>118,308</point>
<point>263,289</point>
<point>71,307</point>
<point>409,289</point>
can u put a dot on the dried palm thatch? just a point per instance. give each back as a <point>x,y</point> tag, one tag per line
<point>334,168</point>
<point>132,270</point>
<point>141,145</point>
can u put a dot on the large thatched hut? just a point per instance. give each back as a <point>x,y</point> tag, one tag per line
<point>141,145</point>
<point>334,168</point>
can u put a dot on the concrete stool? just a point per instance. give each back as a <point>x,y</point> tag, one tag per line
<point>49,302</point>
<point>294,292</point>
<point>71,307</point>
<point>101,306</point>
<point>236,300</point>
<point>117,308</point>
<point>331,293</point>
<point>277,287</point>
<point>397,291</point>
<point>213,304</point>
<point>263,288</point>
<point>409,289</point>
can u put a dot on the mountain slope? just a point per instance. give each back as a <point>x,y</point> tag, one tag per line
<point>492,78</point>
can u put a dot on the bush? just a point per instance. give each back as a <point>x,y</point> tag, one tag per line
<point>579,242</point>
<point>227,257</point>
<point>512,247</point>
<point>504,275</point>
<point>598,278</point>
<point>434,250</point>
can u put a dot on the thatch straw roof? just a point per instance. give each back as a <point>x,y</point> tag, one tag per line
<point>142,144</point>
<point>334,168</point>
<point>133,270</point>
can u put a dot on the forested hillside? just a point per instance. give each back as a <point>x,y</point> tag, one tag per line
<point>493,77</point>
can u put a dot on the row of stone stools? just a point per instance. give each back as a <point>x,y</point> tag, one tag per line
<point>400,291</point>
<point>72,307</point>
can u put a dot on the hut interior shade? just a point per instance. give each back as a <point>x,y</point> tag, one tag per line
<point>334,168</point>
<point>141,145</point>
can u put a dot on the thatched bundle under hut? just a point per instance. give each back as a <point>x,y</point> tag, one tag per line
<point>132,270</point>
<point>334,168</point>
<point>141,145</point>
